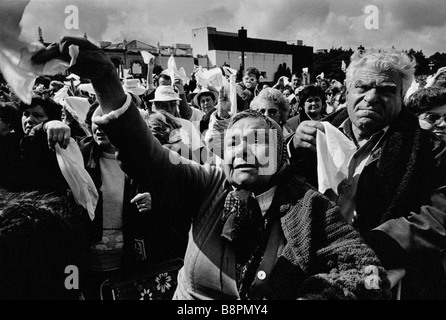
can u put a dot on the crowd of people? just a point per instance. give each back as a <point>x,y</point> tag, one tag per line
<point>309,190</point>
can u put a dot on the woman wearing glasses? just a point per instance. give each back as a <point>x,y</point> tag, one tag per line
<point>429,105</point>
<point>272,103</point>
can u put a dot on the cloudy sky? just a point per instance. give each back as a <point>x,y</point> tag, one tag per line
<point>404,24</point>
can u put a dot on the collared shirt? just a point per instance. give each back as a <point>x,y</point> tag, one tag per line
<point>265,199</point>
<point>348,187</point>
<point>285,132</point>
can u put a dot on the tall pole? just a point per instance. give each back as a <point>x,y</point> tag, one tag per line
<point>243,35</point>
<point>243,60</point>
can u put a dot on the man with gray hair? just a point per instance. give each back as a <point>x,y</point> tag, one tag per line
<point>390,175</point>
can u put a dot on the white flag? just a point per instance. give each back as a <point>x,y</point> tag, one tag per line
<point>146,55</point>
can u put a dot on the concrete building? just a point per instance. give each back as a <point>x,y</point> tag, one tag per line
<point>126,55</point>
<point>237,50</point>
<point>212,48</point>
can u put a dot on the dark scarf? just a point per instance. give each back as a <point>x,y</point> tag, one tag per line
<point>242,220</point>
<point>248,230</point>
<point>243,224</point>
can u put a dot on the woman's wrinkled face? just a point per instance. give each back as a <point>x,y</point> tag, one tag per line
<point>31,117</point>
<point>268,108</point>
<point>250,154</point>
<point>434,120</point>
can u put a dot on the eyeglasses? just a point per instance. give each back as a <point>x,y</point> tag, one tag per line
<point>270,112</point>
<point>433,118</point>
<point>250,79</point>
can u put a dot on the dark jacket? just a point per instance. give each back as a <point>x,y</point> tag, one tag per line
<point>10,171</point>
<point>243,104</point>
<point>28,164</point>
<point>396,181</point>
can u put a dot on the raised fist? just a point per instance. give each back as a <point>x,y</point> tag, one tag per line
<point>91,62</point>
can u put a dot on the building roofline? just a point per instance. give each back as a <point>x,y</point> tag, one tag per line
<point>221,42</point>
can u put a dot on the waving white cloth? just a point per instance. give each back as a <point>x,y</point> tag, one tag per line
<point>147,56</point>
<point>174,72</point>
<point>215,77</point>
<point>71,164</point>
<point>78,107</point>
<point>334,152</point>
<point>15,53</point>
<point>60,95</point>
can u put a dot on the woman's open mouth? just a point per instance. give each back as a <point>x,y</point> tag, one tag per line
<point>245,166</point>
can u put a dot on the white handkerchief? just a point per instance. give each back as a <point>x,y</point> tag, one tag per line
<point>334,152</point>
<point>78,107</point>
<point>174,72</point>
<point>81,184</point>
